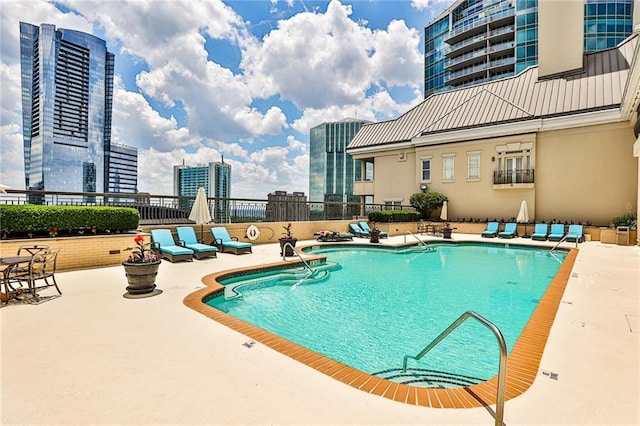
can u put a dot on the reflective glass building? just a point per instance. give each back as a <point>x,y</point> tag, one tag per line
<point>476,41</point>
<point>331,170</point>
<point>67,96</point>
<point>215,178</point>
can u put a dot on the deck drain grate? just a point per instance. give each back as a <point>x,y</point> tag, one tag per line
<point>574,275</point>
<point>249,344</point>
<point>550,374</point>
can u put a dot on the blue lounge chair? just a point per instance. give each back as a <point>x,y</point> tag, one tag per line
<point>574,233</point>
<point>365,228</point>
<point>557,232</point>
<point>357,231</point>
<point>510,230</point>
<point>163,241</point>
<point>540,232</point>
<point>225,243</point>
<point>187,236</point>
<point>492,230</point>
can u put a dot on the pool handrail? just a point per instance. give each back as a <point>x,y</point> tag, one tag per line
<point>564,238</point>
<point>421,243</point>
<point>293,249</point>
<point>502,368</point>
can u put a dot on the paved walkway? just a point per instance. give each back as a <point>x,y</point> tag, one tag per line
<point>94,357</point>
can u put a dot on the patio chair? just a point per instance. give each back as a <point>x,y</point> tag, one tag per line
<point>225,243</point>
<point>540,232</point>
<point>45,269</point>
<point>16,276</point>
<point>187,237</point>
<point>365,228</point>
<point>163,242</point>
<point>574,233</point>
<point>491,231</point>
<point>357,231</point>
<point>333,236</point>
<point>557,232</point>
<point>510,230</point>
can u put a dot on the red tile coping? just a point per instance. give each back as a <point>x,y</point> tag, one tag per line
<point>522,364</point>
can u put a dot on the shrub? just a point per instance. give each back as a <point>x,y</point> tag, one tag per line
<point>383,216</point>
<point>427,202</point>
<point>37,219</point>
<point>629,219</point>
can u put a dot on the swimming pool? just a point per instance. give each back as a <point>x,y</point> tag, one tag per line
<point>382,304</point>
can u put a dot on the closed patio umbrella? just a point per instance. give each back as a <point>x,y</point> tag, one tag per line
<point>200,211</point>
<point>444,212</point>
<point>523,217</point>
<point>446,231</point>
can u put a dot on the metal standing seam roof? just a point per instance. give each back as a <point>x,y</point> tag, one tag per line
<point>599,86</point>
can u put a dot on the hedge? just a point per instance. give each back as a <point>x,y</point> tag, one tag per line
<point>38,219</point>
<point>394,216</point>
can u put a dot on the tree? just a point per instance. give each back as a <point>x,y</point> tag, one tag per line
<point>427,202</point>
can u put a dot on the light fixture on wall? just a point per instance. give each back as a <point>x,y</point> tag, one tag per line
<point>423,187</point>
<point>493,159</point>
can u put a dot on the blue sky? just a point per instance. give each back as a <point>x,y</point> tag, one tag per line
<point>198,80</point>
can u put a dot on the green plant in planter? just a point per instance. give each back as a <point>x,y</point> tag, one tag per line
<point>427,202</point>
<point>628,219</point>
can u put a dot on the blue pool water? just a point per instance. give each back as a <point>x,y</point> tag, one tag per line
<point>380,304</point>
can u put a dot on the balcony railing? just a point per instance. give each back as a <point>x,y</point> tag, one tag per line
<point>516,176</point>
<point>169,209</point>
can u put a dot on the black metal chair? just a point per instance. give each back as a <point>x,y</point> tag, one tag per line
<point>44,268</point>
<point>16,277</point>
<point>25,275</point>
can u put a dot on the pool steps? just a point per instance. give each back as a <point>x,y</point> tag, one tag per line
<point>291,277</point>
<point>426,378</point>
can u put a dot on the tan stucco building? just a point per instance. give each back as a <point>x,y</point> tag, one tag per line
<point>564,142</point>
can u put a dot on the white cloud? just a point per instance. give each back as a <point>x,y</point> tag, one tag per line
<point>437,5</point>
<point>328,64</point>
<point>12,158</point>
<point>135,123</point>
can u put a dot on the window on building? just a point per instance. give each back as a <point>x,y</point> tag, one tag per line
<point>392,205</point>
<point>368,171</point>
<point>448,162</point>
<point>426,169</point>
<point>473,165</point>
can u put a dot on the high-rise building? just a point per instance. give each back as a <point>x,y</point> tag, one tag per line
<point>67,96</point>
<point>284,207</point>
<point>215,178</point>
<point>476,41</point>
<point>331,170</point>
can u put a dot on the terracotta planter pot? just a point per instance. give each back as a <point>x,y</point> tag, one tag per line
<point>141,276</point>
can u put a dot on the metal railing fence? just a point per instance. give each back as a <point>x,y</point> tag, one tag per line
<point>171,209</point>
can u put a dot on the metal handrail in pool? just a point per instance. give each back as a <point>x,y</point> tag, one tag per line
<point>502,369</point>
<point>293,250</point>
<point>311,270</point>
<point>421,243</point>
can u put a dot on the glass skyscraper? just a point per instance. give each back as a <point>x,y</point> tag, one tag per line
<point>331,170</point>
<point>476,41</point>
<point>67,96</point>
<point>215,178</point>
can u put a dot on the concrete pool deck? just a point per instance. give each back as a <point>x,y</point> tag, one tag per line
<point>94,357</point>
